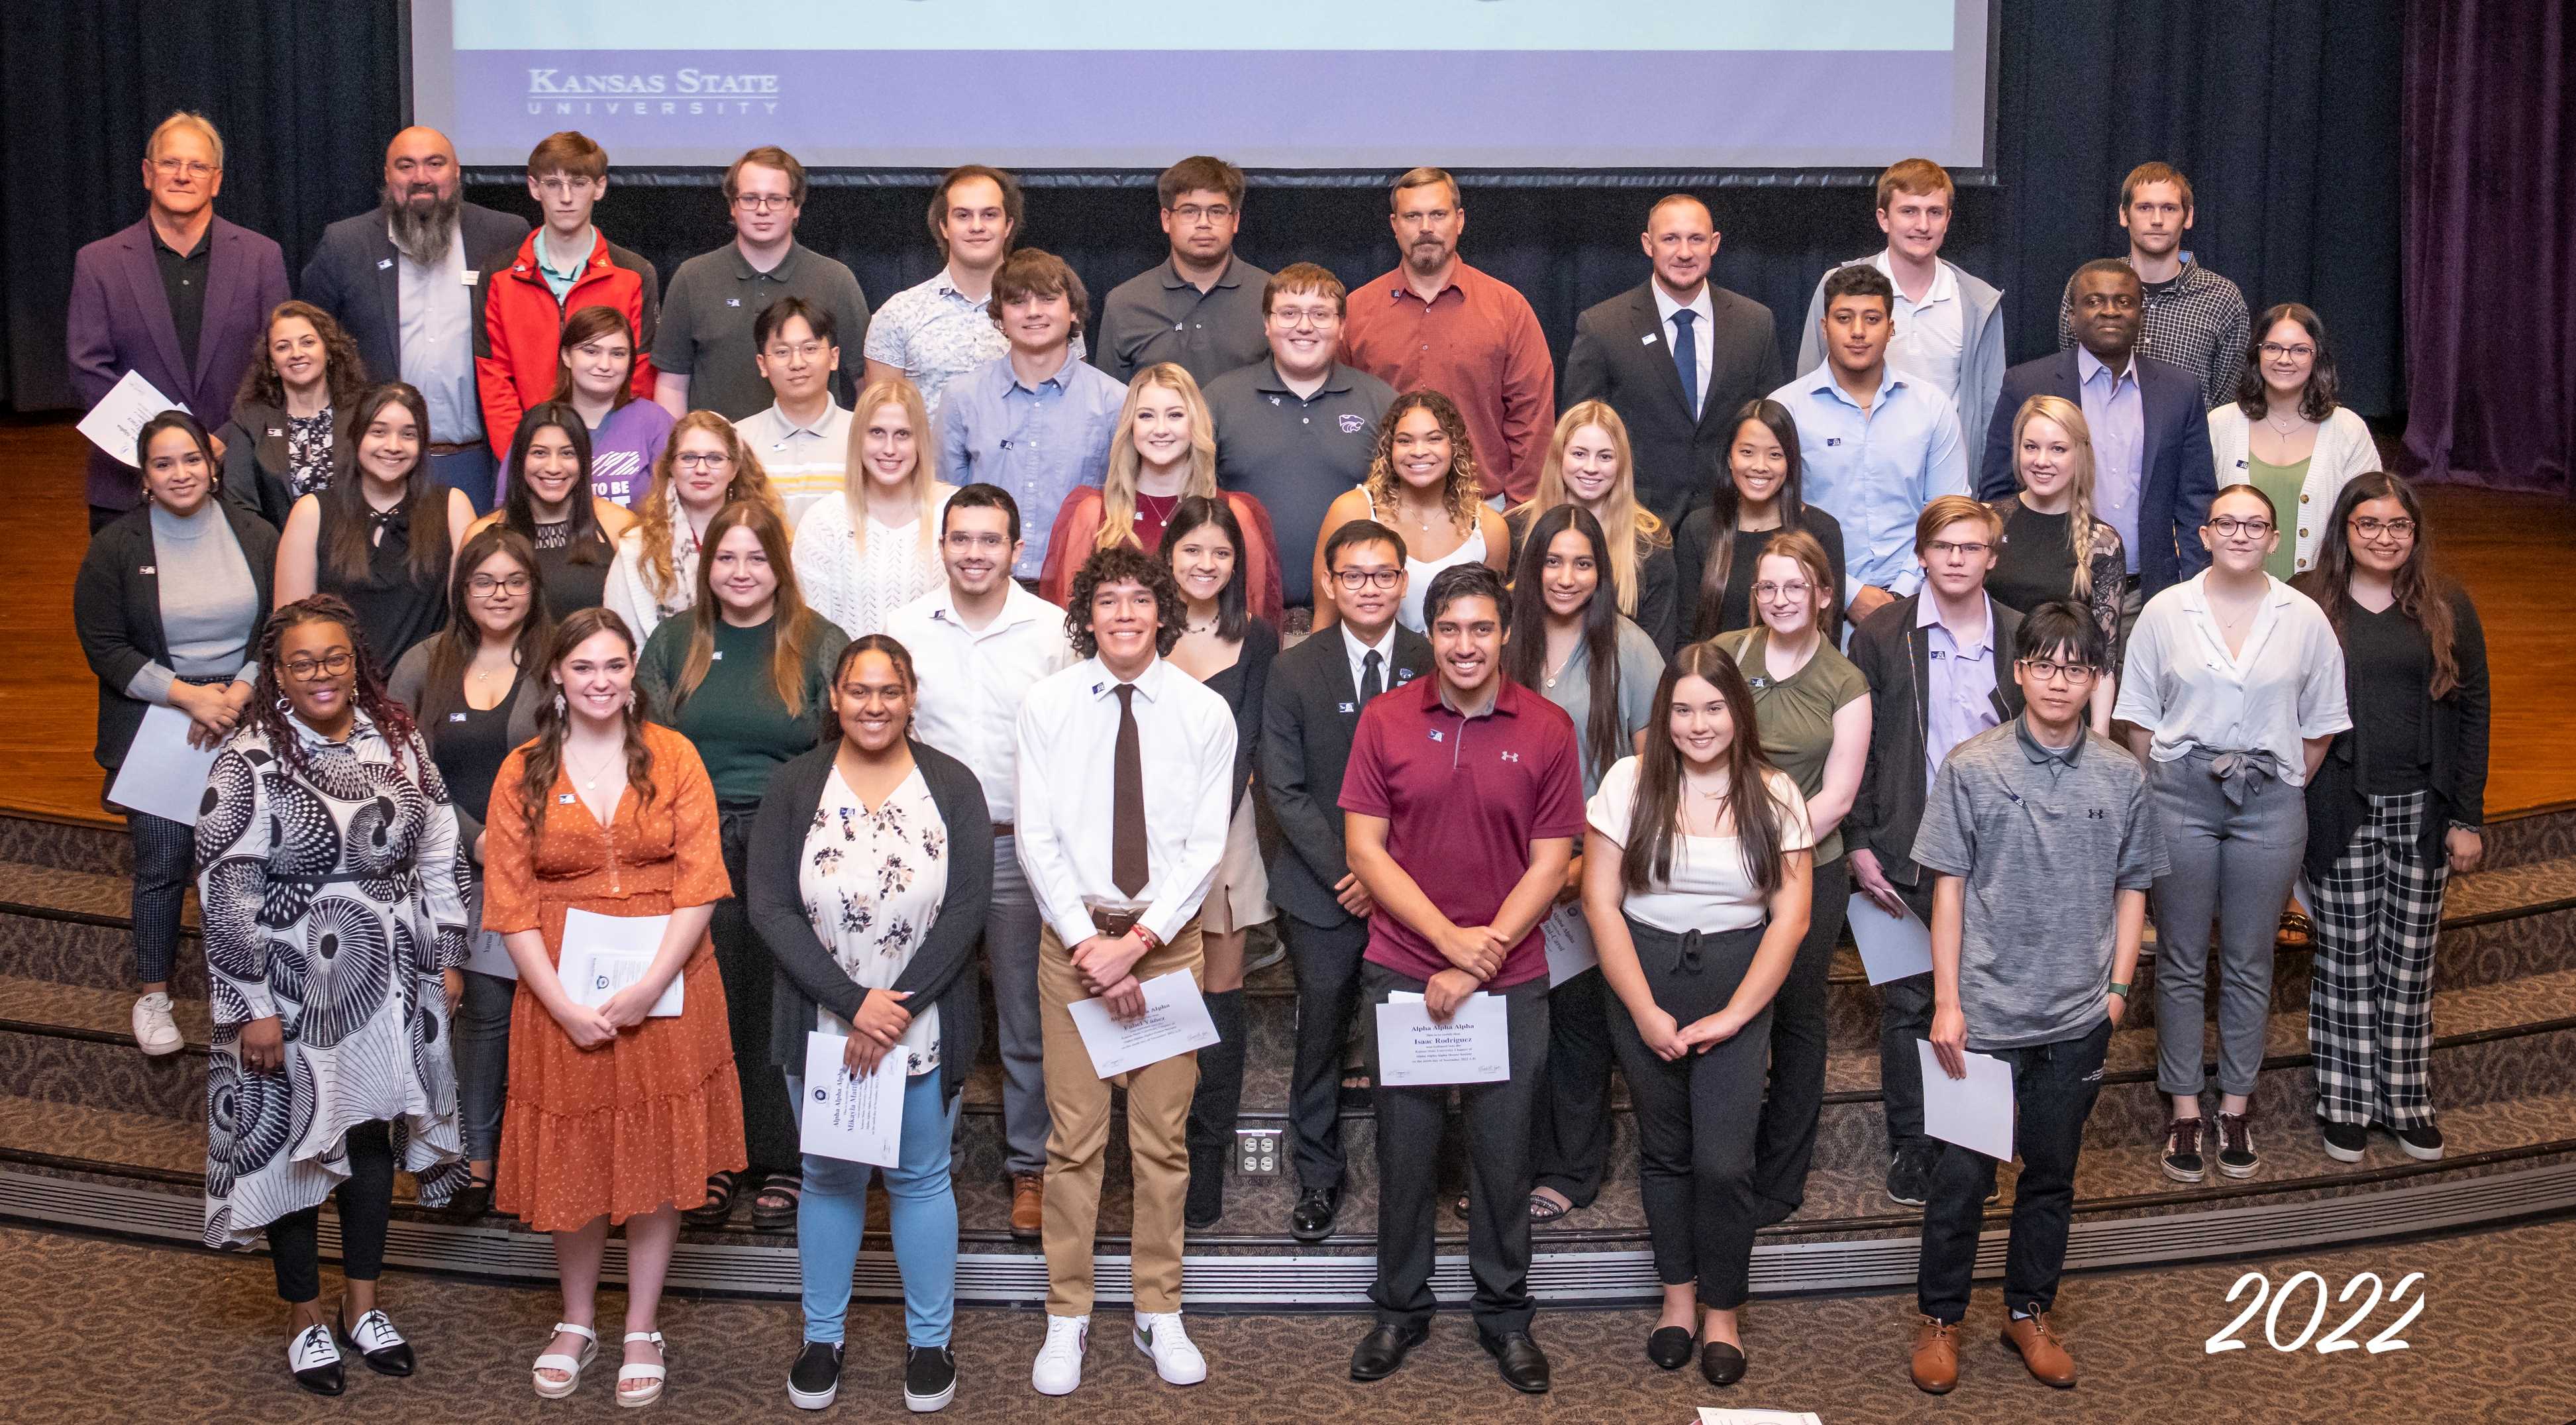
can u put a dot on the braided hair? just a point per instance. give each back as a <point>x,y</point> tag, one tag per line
<point>268,713</point>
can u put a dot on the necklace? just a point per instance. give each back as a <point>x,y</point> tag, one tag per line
<point>2292,428</point>
<point>591,782</point>
<point>1422,522</point>
<point>1562,665</point>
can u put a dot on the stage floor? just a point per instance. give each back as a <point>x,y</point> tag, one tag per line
<point>2502,545</point>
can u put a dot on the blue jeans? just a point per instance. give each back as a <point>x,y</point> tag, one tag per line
<point>922,1214</point>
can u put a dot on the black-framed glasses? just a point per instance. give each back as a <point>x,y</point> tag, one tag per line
<point>2229,526</point>
<point>761,202</point>
<point>329,665</point>
<point>484,586</point>
<point>2274,351</point>
<point>1358,579</point>
<point>2372,527</point>
<point>2049,670</point>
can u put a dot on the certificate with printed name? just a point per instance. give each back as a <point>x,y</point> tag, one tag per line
<point>857,1118</point>
<point>1414,1050</point>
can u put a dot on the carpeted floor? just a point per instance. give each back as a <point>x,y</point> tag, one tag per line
<point>99,1330</point>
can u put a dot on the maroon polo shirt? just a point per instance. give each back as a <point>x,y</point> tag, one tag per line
<point>1463,798</point>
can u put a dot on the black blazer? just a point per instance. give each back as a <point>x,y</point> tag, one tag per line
<point>2182,476</point>
<point>942,971</point>
<point>352,276</point>
<point>255,458</point>
<point>1612,360</point>
<point>1695,543</point>
<point>2456,744</point>
<point>116,609</point>
<point>1306,726</point>
<point>1896,659</point>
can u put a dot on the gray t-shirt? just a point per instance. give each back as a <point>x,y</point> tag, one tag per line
<point>2043,841</point>
<point>707,317</point>
<point>1641,666</point>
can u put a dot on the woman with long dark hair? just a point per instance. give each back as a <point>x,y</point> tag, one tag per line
<point>474,689</point>
<point>746,677</point>
<point>550,504</point>
<point>1589,463</point>
<point>1696,887</point>
<point>598,380</point>
<point>1762,495</point>
<point>1226,646</point>
<point>2288,434</point>
<point>616,1114</point>
<point>291,421</point>
<point>334,927</point>
<point>382,541</point>
<point>1571,645</point>
<point>2393,812</point>
<point>1426,484</point>
<point>705,466</point>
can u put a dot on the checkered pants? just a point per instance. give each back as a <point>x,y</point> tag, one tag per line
<point>2370,1008</point>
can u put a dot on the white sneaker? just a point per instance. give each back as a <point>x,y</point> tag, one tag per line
<point>154,1030</point>
<point>1059,1367</point>
<point>1159,1335</point>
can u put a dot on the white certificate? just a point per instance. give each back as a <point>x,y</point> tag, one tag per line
<point>1568,937</point>
<point>121,414</point>
<point>1714,1415</point>
<point>603,954</point>
<point>1474,1047</point>
<point>163,776</point>
<point>1892,947</point>
<point>856,1119</point>
<point>486,955</point>
<point>1175,1021</point>
<point>1975,1112</point>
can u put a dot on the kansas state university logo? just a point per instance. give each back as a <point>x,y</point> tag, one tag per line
<point>1352,424</point>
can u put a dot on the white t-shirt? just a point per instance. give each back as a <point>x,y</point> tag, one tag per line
<point>1708,891</point>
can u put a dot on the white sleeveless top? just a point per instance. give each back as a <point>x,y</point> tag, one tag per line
<point>1420,572</point>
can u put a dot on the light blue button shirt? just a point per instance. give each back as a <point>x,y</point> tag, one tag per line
<point>1874,471</point>
<point>1959,686</point>
<point>1038,442</point>
<point>2115,412</point>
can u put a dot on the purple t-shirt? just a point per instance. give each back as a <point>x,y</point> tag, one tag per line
<point>623,450</point>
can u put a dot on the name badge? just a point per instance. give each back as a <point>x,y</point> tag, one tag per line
<point>456,717</point>
<point>717,655</point>
<point>563,799</point>
<point>1647,340</point>
<point>275,434</point>
<point>472,276</point>
<point>147,569</point>
<point>733,301</point>
<point>384,264</point>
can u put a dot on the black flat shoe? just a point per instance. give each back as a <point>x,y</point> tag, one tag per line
<point>1523,1364</point>
<point>1312,1219</point>
<point>1721,1363</point>
<point>471,1201</point>
<point>1384,1349</point>
<point>315,1362</point>
<point>1669,1347</point>
<point>376,1342</point>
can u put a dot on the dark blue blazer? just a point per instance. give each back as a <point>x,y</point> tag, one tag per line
<point>353,277</point>
<point>2182,476</point>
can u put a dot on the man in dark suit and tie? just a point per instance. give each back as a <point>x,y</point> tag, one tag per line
<point>2153,476</point>
<point>181,297</point>
<point>1316,692</point>
<point>1675,358</point>
<point>400,278</point>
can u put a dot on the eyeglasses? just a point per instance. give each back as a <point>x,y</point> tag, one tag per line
<point>702,459</point>
<point>762,202</point>
<point>801,351</point>
<point>2050,671</point>
<point>329,665</point>
<point>1944,549</point>
<point>964,540</point>
<point>1765,593</point>
<point>1358,579</point>
<point>1213,213</point>
<point>189,166</point>
<point>2229,527</point>
<point>484,586</point>
<point>2274,351</point>
<point>1292,318</point>
<point>2370,528</point>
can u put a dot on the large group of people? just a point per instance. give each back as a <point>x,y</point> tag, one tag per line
<point>514,588</point>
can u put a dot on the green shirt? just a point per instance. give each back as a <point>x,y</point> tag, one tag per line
<point>2282,483</point>
<point>1797,712</point>
<point>742,731</point>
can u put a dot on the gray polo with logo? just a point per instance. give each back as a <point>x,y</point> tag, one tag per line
<point>716,296</point>
<point>1295,454</point>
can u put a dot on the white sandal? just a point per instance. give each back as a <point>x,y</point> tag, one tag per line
<point>571,1366</point>
<point>657,1374</point>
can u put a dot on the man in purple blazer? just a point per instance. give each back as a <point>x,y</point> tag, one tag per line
<point>182,297</point>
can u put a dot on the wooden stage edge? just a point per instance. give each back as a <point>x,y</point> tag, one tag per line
<point>2508,549</point>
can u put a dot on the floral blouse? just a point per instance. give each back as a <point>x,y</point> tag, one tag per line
<point>872,882</point>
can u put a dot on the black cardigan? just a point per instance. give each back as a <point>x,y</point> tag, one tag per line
<point>1895,658</point>
<point>2456,738</point>
<point>255,467</point>
<point>116,610</point>
<point>942,971</point>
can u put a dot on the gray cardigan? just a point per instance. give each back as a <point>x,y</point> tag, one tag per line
<point>942,971</point>
<point>1981,349</point>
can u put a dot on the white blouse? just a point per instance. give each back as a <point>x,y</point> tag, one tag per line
<point>872,883</point>
<point>2285,684</point>
<point>860,590</point>
<point>1709,890</point>
<point>630,596</point>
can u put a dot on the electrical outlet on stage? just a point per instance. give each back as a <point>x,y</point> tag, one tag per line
<point>1256,1151</point>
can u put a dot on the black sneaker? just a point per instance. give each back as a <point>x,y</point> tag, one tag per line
<point>2182,1160</point>
<point>2422,1141</point>
<point>1909,1175</point>
<point>2236,1155</point>
<point>929,1378</point>
<point>2344,1141</point>
<point>815,1381</point>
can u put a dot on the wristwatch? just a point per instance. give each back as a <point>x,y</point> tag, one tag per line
<point>2119,989</point>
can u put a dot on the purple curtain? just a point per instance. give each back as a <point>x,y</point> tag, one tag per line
<point>2490,258</point>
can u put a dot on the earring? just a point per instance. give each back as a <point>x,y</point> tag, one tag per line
<point>283,706</point>
<point>559,702</point>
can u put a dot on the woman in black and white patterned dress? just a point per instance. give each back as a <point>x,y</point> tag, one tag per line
<point>334,929</point>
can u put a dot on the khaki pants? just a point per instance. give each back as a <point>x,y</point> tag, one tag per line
<point>1158,1110</point>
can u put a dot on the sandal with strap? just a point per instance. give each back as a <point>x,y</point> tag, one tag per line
<point>655,1374</point>
<point>1543,1208</point>
<point>571,1366</point>
<point>773,1208</point>
<point>719,1204</point>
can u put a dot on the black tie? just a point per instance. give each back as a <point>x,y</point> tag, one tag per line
<point>1686,358</point>
<point>1127,859</point>
<point>1370,684</point>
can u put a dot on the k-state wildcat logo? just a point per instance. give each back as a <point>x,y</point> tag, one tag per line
<point>1352,424</point>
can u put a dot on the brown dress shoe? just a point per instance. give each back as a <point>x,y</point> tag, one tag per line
<point>1936,1356</point>
<point>2040,1349</point>
<point>1028,1206</point>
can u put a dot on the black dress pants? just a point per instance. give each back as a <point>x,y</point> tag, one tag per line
<point>1327,962</point>
<point>2054,1086</point>
<point>366,1202</point>
<point>1786,1144</point>
<point>750,976</point>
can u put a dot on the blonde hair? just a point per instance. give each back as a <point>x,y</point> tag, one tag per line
<point>185,119</point>
<point>2079,480</point>
<point>1630,529</point>
<point>1118,487</point>
<point>662,503</point>
<point>924,476</point>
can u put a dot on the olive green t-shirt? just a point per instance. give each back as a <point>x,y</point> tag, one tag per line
<point>742,731</point>
<point>2282,483</point>
<point>1797,712</point>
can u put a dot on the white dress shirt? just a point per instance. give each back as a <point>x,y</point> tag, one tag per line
<point>434,318</point>
<point>1706,316</point>
<point>804,463</point>
<point>1068,739</point>
<point>2284,685</point>
<point>1358,653</point>
<point>973,680</point>
<point>1930,333</point>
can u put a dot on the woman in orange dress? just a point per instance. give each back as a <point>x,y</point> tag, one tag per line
<point>615,1116</point>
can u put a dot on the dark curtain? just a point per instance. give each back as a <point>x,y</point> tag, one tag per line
<point>2288,126</point>
<point>2490,288</point>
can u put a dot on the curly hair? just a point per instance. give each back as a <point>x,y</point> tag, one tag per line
<point>1124,564</point>
<point>1460,494</point>
<point>268,712</point>
<point>661,507</point>
<point>343,370</point>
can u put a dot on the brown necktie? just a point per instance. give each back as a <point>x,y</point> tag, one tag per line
<point>1127,862</point>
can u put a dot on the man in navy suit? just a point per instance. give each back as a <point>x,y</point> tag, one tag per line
<point>400,279</point>
<point>182,297</point>
<point>2153,477</point>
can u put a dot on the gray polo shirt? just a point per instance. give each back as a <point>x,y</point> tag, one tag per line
<point>1159,315</point>
<point>707,314</point>
<point>1295,454</point>
<point>2043,841</point>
